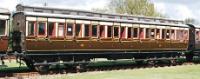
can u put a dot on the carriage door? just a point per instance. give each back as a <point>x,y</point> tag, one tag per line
<point>3,36</point>
<point>36,33</point>
<point>42,33</point>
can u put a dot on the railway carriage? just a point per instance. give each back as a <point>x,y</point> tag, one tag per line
<point>50,35</point>
<point>197,37</point>
<point>4,30</point>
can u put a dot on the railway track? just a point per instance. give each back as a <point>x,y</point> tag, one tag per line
<point>30,74</point>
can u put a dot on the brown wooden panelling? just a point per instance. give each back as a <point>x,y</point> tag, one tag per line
<point>106,45</point>
<point>197,45</point>
<point>3,44</point>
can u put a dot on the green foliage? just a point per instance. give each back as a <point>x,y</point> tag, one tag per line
<point>176,72</point>
<point>131,7</point>
<point>134,7</point>
<point>191,21</point>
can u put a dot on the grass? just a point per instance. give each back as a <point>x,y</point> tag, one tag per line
<point>178,72</point>
<point>110,63</point>
<point>12,66</point>
<point>175,72</point>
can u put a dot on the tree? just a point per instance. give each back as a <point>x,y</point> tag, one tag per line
<point>101,10</point>
<point>191,21</point>
<point>131,7</point>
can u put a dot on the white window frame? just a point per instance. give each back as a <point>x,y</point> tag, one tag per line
<point>119,32</point>
<point>126,25</point>
<point>6,27</point>
<point>6,18</point>
<point>38,29</point>
<point>57,29</point>
<point>97,30</point>
<point>43,20</point>
<point>27,21</point>
<point>27,27</point>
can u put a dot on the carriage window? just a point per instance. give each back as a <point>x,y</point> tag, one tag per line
<point>2,27</point>
<point>123,32</point>
<point>185,35</point>
<point>141,33</point>
<point>135,32</point>
<point>116,32</point>
<point>147,32</point>
<point>94,30</point>
<point>102,31</point>
<point>179,34</point>
<point>168,34</point>
<point>61,27</point>
<point>42,28</point>
<point>87,30</point>
<point>157,33</point>
<point>78,30</point>
<point>31,26</point>
<point>51,29</point>
<point>152,33</point>
<point>197,35</point>
<point>172,34</point>
<point>109,31</point>
<point>163,33</point>
<point>69,29</point>
<point>129,32</point>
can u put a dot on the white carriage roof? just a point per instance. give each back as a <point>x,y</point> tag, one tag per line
<point>29,8</point>
<point>5,11</point>
<point>197,26</point>
<point>47,7</point>
<point>36,14</point>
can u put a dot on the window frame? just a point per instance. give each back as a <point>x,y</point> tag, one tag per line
<point>158,33</point>
<point>118,31</point>
<point>45,29</point>
<point>54,26</point>
<point>34,29</point>
<point>180,34</point>
<point>142,29</point>
<point>199,34</point>
<point>56,22</point>
<point>82,27</point>
<point>80,34</point>
<point>173,34</point>
<point>7,24</point>
<point>109,34</point>
<point>5,28</point>
<point>103,31</point>
<point>72,30</point>
<point>152,36</point>
<point>133,32</point>
<point>140,33</point>
<point>97,31</point>
<point>128,28</point>
<point>147,33</point>
<point>186,34</point>
<point>163,34</point>
<point>168,32</point>
<point>64,26</point>
<point>89,30</point>
<point>122,32</point>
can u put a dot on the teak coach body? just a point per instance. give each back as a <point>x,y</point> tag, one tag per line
<point>43,35</point>
<point>4,30</point>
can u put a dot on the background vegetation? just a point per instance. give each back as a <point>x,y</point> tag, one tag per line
<point>131,7</point>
